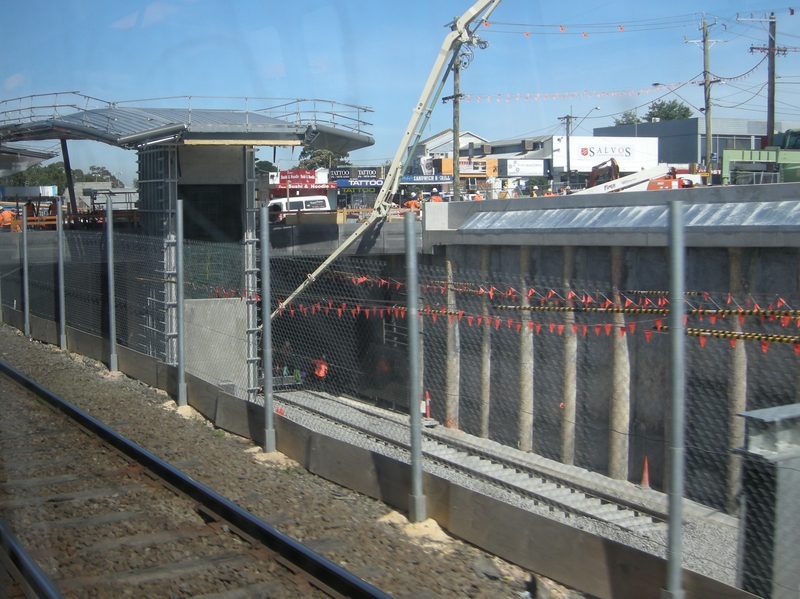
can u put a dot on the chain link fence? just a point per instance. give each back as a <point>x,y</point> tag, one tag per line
<point>575,371</point>
<point>216,305</point>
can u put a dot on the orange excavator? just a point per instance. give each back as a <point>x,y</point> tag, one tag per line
<point>609,170</point>
<point>652,179</point>
<point>669,181</point>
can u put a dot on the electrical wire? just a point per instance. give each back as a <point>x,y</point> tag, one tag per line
<point>750,99</point>
<point>745,74</point>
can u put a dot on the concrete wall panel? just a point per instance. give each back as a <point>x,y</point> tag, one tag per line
<point>138,366</point>
<point>86,344</point>
<point>212,352</point>
<point>203,397</point>
<point>211,165</point>
<point>13,317</point>
<point>44,330</point>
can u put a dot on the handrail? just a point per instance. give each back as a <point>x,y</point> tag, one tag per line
<point>304,111</point>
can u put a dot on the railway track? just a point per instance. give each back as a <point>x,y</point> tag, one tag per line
<point>98,516</point>
<point>477,459</point>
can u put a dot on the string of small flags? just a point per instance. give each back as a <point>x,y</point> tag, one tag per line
<point>550,296</point>
<point>633,302</point>
<point>648,327</point>
<point>585,93</point>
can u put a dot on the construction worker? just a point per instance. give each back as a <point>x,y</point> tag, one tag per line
<point>383,371</point>
<point>477,197</point>
<point>6,216</point>
<point>320,371</point>
<point>30,212</point>
<point>52,211</point>
<point>412,203</point>
<point>549,192</point>
<point>535,191</point>
<point>435,197</point>
<point>286,362</point>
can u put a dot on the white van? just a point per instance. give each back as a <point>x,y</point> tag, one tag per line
<point>301,204</point>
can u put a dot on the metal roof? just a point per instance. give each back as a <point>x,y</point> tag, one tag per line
<point>17,159</point>
<point>719,217</point>
<point>314,123</point>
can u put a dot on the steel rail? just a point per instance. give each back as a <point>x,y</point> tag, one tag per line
<point>507,462</point>
<point>333,577</point>
<point>15,556</point>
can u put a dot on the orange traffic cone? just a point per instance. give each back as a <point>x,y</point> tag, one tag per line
<point>427,405</point>
<point>646,474</point>
<point>279,411</point>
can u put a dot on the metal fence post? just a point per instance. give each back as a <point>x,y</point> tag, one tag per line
<point>620,412</point>
<point>453,360</point>
<point>182,400</point>
<point>525,366</point>
<point>26,295</point>
<point>266,332</point>
<point>677,341</point>
<point>112,296</point>
<point>62,309</point>
<point>570,392</point>
<point>416,501</point>
<point>769,535</point>
<point>486,350</point>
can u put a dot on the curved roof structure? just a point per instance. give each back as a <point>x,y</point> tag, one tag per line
<point>15,160</point>
<point>314,123</point>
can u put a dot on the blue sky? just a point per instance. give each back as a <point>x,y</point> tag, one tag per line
<point>378,54</point>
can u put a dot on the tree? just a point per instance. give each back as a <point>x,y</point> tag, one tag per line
<point>265,166</point>
<point>101,173</point>
<point>629,117</point>
<point>38,175</point>
<point>314,158</point>
<point>667,111</point>
<point>55,174</point>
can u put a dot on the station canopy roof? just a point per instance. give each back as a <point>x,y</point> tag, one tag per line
<point>17,159</point>
<point>260,122</point>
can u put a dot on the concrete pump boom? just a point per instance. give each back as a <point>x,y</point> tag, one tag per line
<point>460,34</point>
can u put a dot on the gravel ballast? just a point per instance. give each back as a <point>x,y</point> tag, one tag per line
<point>362,535</point>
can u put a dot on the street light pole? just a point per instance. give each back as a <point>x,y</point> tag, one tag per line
<point>456,126</point>
<point>707,81</point>
<point>462,58</point>
<point>568,126</point>
<point>567,122</point>
<point>707,93</point>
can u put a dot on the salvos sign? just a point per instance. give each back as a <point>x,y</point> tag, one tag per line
<point>631,153</point>
<point>611,151</point>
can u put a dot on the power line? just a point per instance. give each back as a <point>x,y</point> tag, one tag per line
<point>688,17</point>
<point>743,75</point>
<point>613,27</point>
<point>755,95</point>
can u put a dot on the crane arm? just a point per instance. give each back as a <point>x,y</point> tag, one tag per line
<point>460,33</point>
<point>626,182</point>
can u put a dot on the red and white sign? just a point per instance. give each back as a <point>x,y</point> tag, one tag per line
<point>293,185</point>
<point>470,167</point>
<point>631,153</point>
<point>297,176</point>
